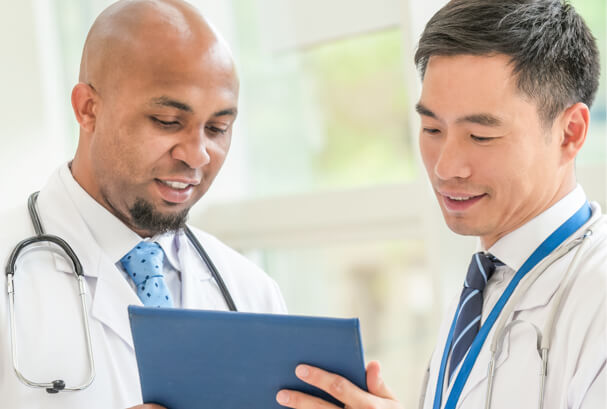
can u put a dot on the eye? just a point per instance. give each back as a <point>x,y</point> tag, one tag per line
<point>431,131</point>
<point>165,124</point>
<point>481,138</point>
<point>213,130</point>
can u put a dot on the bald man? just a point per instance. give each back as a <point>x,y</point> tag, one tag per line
<point>156,102</point>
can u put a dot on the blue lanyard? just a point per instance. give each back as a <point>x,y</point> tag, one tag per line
<point>573,224</point>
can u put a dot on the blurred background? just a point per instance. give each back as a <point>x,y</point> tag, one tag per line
<point>323,186</point>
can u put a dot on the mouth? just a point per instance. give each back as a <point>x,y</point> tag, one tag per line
<point>175,191</point>
<point>458,202</point>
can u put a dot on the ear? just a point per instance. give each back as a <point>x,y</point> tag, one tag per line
<point>84,103</point>
<point>575,122</point>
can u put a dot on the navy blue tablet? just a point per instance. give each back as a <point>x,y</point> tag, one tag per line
<point>232,360</point>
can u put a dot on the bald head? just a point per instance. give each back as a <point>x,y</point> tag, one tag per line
<point>156,102</point>
<point>130,34</point>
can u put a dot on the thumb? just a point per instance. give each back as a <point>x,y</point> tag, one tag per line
<point>375,383</point>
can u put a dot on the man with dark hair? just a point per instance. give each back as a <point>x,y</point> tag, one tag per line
<point>156,101</point>
<point>504,111</point>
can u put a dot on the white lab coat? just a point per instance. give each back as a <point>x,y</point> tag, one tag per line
<point>51,338</point>
<point>576,372</point>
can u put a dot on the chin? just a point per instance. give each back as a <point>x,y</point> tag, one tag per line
<point>171,207</point>
<point>463,228</point>
<point>157,219</point>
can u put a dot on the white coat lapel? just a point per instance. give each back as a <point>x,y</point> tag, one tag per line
<point>198,288</point>
<point>546,285</point>
<point>112,293</point>
<point>478,375</point>
<point>60,217</point>
<point>537,296</point>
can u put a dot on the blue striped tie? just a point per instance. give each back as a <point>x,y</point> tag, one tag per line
<point>470,306</point>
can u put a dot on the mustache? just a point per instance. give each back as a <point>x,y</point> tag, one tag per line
<point>458,184</point>
<point>180,171</point>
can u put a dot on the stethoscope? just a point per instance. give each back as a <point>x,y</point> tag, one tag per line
<point>543,337</point>
<point>41,237</point>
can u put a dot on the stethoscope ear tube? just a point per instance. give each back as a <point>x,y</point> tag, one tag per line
<point>207,260</point>
<point>34,217</point>
<point>48,238</point>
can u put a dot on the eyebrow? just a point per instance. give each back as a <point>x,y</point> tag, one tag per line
<point>224,112</point>
<point>422,110</point>
<point>483,119</point>
<point>182,106</point>
<point>171,103</point>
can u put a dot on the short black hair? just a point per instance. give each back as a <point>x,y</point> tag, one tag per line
<point>553,54</point>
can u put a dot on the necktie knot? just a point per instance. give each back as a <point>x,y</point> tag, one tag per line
<point>479,271</point>
<point>144,265</point>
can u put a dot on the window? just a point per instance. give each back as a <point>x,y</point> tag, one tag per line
<point>323,186</point>
<point>335,205</point>
<point>591,163</point>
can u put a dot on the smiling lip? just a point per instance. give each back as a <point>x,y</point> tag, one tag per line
<point>459,202</point>
<point>175,190</point>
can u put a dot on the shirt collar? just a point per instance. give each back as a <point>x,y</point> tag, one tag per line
<point>113,237</point>
<point>515,247</point>
<point>171,244</point>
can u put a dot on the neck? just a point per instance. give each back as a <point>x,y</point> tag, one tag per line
<point>564,189</point>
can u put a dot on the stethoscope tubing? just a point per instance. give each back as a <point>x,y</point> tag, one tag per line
<point>214,272</point>
<point>543,337</point>
<point>41,237</point>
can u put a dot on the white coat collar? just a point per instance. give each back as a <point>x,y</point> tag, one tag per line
<point>112,236</point>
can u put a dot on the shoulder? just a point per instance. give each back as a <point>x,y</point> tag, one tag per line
<point>584,314</point>
<point>16,226</point>
<point>253,288</point>
<point>220,252</point>
<point>585,290</point>
<point>597,241</point>
<point>13,218</point>
<point>592,272</point>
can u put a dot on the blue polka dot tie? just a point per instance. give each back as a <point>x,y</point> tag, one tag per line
<point>144,265</point>
<point>470,306</point>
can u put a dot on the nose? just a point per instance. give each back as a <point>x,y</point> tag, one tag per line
<point>453,159</point>
<point>193,149</point>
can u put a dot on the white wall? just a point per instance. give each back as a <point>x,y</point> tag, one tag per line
<point>30,129</point>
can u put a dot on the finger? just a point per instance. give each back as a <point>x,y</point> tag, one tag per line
<point>300,400</point>
<point>375,382</point>
<point>337,386</point>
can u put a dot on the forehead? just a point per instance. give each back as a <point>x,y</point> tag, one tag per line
<point>465,84</point>
<point>181,74</point>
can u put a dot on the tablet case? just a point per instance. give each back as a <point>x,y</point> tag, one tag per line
<point>233,360</point>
